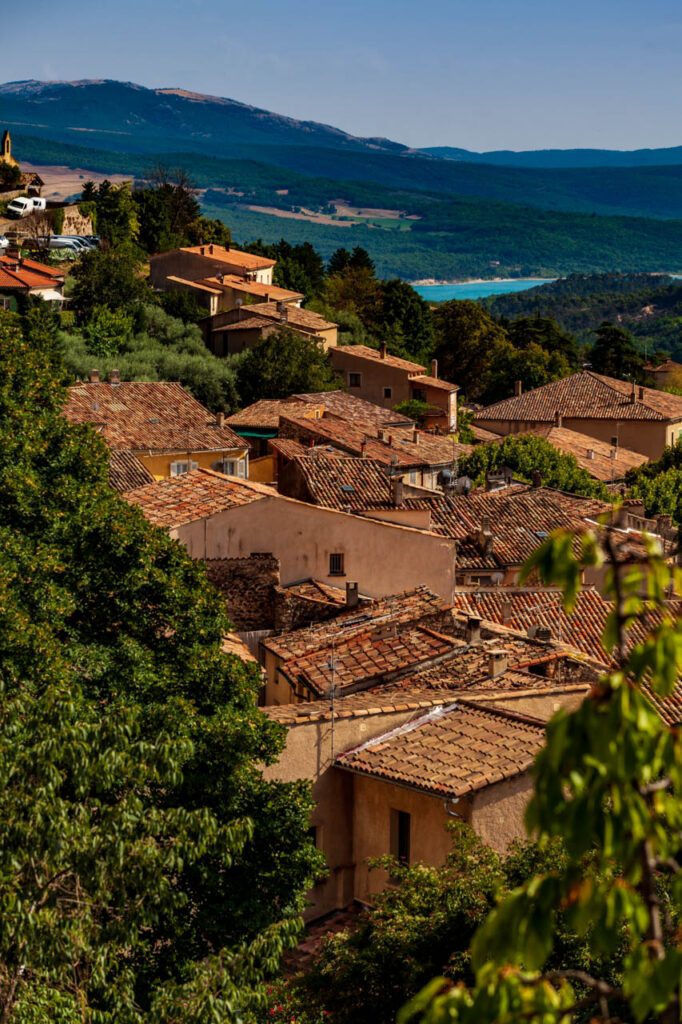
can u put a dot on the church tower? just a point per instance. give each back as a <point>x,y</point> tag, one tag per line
<point>6,150</point>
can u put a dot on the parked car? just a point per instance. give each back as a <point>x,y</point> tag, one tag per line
<point>38,203</point>
<point>64,242</point>
<point>20,207</point>
<point>4,242</point>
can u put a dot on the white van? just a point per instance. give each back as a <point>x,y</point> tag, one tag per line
<point>20,207</point>
<point>38,203</point>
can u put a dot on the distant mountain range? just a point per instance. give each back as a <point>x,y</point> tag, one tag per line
<point>442,212</point>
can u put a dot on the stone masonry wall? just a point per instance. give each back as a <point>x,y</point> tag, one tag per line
<point>248,585</point>
<point>292,611</point>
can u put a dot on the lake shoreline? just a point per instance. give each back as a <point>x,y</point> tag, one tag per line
<point>431,282</point>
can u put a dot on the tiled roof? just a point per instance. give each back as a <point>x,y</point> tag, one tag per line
<point>434,382</point>
<point>240,284</point>
<point>214,290</point>
<point>126,472</point>
<point>266,412</point>
<point>356,705</point>
<point>397,449</point>
<point>599,464</point>
<point>253,323</point>
<point>408,606</point>
<point>287,447</point>
<point>148,416</point>
<point>524,608</point>
<point>233,257</point>
<point>363,660</point>
<point>344,483</point>
<point>26,274</point>
<point>374,355</point>
<point>519,518</point>
<point>296,316</point>
<point>451,751</point>
<point>183,499</point>
<point>356,410</point>
<point>484,436</point>
<point>316,590</point>
<point>667,366</point>
<point>585,395</point>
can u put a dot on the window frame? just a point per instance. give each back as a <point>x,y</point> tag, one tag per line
<point>354,376</point>
<point>341,571</point>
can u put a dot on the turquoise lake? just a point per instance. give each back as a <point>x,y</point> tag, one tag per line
<point>477,289</point>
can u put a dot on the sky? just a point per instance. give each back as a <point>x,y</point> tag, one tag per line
<point>480,74</point>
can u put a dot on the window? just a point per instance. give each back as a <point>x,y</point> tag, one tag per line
<point>179,468</point>
<point>400,836</point>
<point>234,467</point>
<point>336,565</point>
<point>4,303</point>
<point>419,394</point>
<point>354,380</point>
<point>388,392</point>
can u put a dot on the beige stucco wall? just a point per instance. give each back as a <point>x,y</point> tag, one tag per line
<point>193,266</point>
<point>646,436</point>
<point>375,377</point>
<point>497,813</point>
<point>303,537</point>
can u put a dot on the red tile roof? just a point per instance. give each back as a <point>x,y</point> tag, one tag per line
<point>364,660</point>
<point>23,274</point>
<point>345,483</point>
<point>232,257</point>
<point>374,355</point>
<point>434,382</point>
<point>126,472</point>
<point>183,499</point>
<point>149,416</point>
<point>266,412</point>
<point>585,395</point>
<point>451,751</point>
<point>241,284</point>
<point>295,316</point>
<point>599,464</point>
<point>356,410</point>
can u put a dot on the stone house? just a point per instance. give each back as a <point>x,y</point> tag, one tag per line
<point>23,277</point>
<point>387,380</point>
<point>613,411</point>
<point>156,429</point>
<point>235,330</point>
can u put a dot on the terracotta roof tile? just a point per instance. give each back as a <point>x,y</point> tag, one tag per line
<point>148,416</point>
<point>241,284</point>
<point>183,499</point>
<point>345,483</point>
<point>599,464</point>
<point>434,382</point>
<point>23,274</point>
<point>356,410</point>
<point>451,751</point>
<point>585,395</point>
<point>295,315</point>
<point>232,257</point>
<point>126,472</point>
<point>374,355</point>
<point>265,413</point>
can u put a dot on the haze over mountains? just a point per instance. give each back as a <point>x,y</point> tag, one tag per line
<point>441,212</point>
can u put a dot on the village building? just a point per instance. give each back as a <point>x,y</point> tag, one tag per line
<point>664,374</point>
<point>20,277</point>
<point>219,278</point>
<point>613,411</point>
<point>216,517</point>
<point>389,380</point>
<point>28,181</point>
<point>235,330</point>
<point>155,429</point>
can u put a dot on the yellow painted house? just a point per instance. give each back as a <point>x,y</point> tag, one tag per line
<point>155,430</point>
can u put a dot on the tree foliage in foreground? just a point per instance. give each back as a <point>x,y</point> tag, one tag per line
<point>526,454</point>
<point>659,483</point>
<point>609,784</point>
<point>147,870</point>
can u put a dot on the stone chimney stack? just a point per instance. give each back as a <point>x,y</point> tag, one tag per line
<point>94,376</point>
<point>537,478</point>
<point>220,419</point>
<point>497,663</point>
<point>382,350</point>
<point>415,436</point>
<point>473,630</point>
<point>518,388</point>
<point>352,595</point>
<point>506,611</point>
<point>434,368</point>
<point>558,419</point>
<point>115,377</point>
<point>397,491</point>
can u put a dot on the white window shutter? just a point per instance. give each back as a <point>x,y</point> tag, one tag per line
<point>241,468</point>
<point>194,465</point>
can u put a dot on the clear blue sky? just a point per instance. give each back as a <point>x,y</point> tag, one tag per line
<point>482,74</point>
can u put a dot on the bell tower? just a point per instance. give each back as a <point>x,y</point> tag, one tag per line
<point>6,150</point>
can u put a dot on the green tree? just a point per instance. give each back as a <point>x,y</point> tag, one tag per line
<point>544,333</point>
<point>338,261</point>
<point>109,278</point>
<point>404,320</point>
<point>116,212</point>
<point>95,601</point>
<point>526,454</point>
<point>609,783</point>
<point>354,291</point>
<point>107,331</point>
<point>614,353</point>
<point>469,345</point>
<point>281,365</point>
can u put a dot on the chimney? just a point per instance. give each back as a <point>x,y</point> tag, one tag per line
<point>486,540</point>
<point>220,277</point>
<point>506,611</point>
<point>114,377</point>
<point>590,453</point>
<point>283,311</point>
<point>537,478</point>
<point>434,368</point>
<point>614,442</point>
<point>497,663</point>
<point>415,436</point>
<point>633,394</point>
<point>210,249</point>
<point>473,630</point>
<point>352,596</point>
<point>543,633</point>
<point>558,419</point>
<point>363,449</point>
<point>518,388</point>
<point>220,419</point>
<point>94,376</point>
<point>641,393</point>
<point>397,490</point>
<point>380,434</point>
<point>382,350</point>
